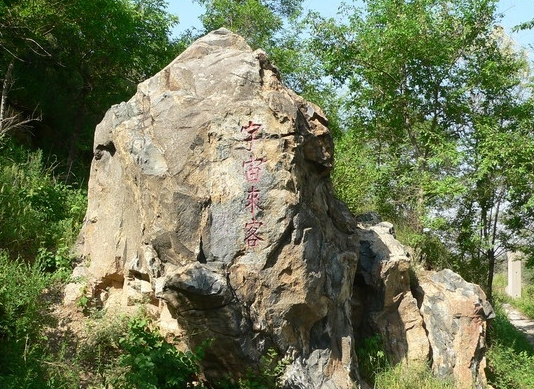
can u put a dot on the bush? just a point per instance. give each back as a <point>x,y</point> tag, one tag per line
<point>150,362</point>
<point>269,375</point>
<point>39,216</point>
<point>127,353</point>
<point>21,322</point>
<point>509,368</point>
<point>21,286</point>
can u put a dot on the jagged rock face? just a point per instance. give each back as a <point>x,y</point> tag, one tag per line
<point>210,191</point>
<point>210,202</point>
<point>388,305</point>
<point>438,317</point>
<point>455,313</point>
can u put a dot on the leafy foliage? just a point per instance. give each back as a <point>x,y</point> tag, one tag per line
<point>372,359</point>
<point>268,376</point>
<point>509,368</point>
<point>441,97</point>
<point>152,363</point>
<point>87,54</point>
<point>21,285</point>
<point>354,174</point>
<point>21,323</point>
<point>39,216</point>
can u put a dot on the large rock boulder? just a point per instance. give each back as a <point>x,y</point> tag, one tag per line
<point>455,314</point>
<point>210,202</point>
<point>434,317</point>
<point>210,197</point>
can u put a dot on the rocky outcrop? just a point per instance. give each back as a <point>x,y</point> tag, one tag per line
<point>389,307</point>
<point>210,202</point>
<point>210,197</point>
<point>435,316</point>
<point>455,313</point>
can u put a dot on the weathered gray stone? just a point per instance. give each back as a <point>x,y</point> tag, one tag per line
<point>210,201</point>
<point>455,314</point>
<point>441,319</point>
<point>211,185</point>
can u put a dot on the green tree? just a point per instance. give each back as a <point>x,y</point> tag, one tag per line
<point>401,61</point>
<point>73,59</point>
<point>496,205</point>
<point>257,21</point>
<point>434,92</point>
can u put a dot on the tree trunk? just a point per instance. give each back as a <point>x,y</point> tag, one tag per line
<point>491,271</point>
<point>6,85</point>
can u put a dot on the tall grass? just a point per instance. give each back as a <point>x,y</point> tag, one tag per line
<point>413,376</point>
<point>21,324</point>
<point>39,219</point>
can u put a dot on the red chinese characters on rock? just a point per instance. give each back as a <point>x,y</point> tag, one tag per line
<point>252,169</point>
<point>253,200</point>
<point>251,129</point>
<point>251,233</point>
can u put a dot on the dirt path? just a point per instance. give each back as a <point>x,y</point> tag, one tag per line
<point>520,321</point>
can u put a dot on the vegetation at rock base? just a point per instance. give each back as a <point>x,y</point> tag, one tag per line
<point>432,109</point>
<point>130,353</point>
<point>510,356</point>
<point>21,323</point>
<point>40,215</point>
<point>413,376</point>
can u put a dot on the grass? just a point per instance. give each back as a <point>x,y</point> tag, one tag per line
<point>413,376</point>
<point>510,356</point>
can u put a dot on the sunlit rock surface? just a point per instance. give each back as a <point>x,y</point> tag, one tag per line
<point>210,202</point>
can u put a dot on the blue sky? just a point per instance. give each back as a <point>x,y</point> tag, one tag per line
<point>515,12</point>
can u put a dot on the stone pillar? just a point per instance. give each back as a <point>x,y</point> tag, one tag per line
<point>514,275</point>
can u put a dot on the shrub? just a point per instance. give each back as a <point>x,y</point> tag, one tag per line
<point>152,363</point>
<point>21,322</point>
<point>39,216</point>
<point>127,353</point>
<point>269,375</point>
<point>509,368</point>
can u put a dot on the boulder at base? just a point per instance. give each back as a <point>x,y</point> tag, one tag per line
<point>210,202</point>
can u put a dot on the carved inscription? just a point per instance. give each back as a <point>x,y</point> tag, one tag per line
<point>252,170</point>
